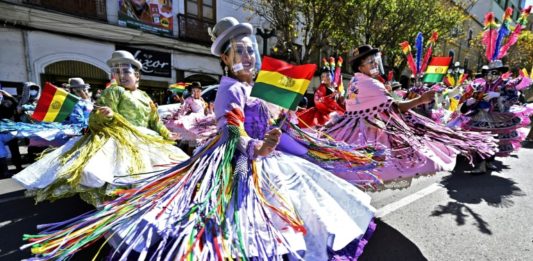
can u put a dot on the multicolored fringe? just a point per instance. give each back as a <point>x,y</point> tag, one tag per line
<point>338,157</point>
<point>211,207</point>
<point>23,129</point>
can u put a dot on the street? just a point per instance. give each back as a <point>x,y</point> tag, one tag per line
<point>442,217</point>
<point>459,216</point>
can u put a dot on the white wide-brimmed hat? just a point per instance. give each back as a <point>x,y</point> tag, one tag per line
<point>123,57</point>
<point>77,83</point>
<point>224,30</point>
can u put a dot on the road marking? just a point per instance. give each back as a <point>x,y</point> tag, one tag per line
<point>387,209</point>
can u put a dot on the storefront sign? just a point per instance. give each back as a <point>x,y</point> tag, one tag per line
<point>154,63</point>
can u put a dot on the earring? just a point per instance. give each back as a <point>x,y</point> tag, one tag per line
<point>225,70</point>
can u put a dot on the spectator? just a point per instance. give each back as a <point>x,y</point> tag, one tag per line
<point>8,107</point>
<point>82,109</point>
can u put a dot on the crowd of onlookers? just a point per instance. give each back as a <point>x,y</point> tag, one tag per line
<point>19,108</point>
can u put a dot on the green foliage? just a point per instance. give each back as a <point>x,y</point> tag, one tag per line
<point>521,55</point>
<point>344,25</point>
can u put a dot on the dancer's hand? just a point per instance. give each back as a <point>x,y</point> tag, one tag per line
<point>491,95</point>
<point>470,101</point>
<point>270,142</point>
<point>427,97</point>
<point>174,136</point>
<point>106,111</point>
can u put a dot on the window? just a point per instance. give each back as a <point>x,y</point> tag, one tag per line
<point>451,53</point>
<point>469,38</point>
<point>95,9</point>
<point>201,9</point>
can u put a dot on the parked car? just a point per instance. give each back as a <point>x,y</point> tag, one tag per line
<point>210,93</point>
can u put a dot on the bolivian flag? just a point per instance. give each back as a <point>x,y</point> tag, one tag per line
<point>55,104</point>
<point>437,68</point>
<point>281,83</point>
<point>178,87</point>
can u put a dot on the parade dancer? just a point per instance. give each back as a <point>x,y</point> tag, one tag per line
<point>327,98</point>
<point>194,121</point>
<point>126,142</point>
<point>490,103</point>
<point>237,198</point>
<point>418,145</point>
<point>83,108</point>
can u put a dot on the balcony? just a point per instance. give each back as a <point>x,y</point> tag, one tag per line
<point>194,30</point>
<point>92,9</point>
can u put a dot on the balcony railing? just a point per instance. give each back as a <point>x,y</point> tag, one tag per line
<point>93,9</point>
<point>194,30</point>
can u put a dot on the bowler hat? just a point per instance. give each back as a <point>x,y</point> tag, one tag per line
<point>123,57</point>
<point>360,53</point>
<point>77,83</point>
<point>224,30</point>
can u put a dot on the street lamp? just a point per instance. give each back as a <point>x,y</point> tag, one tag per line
<point>265,34</point>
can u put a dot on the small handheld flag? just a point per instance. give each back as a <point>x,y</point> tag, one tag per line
<point>178,87</point>
<point>54,105</point>
<point>281,83</point>
<point>437,68</point>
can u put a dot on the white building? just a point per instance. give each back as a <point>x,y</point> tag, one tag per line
<point>51,40</point>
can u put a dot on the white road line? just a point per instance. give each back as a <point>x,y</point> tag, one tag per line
<point>387,209</point>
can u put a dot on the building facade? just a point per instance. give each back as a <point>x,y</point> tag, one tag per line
<point>53,40</point>
<point>463,49</point>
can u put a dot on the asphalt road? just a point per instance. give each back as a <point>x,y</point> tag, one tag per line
<point>448,216</point>
<point>457,216</point>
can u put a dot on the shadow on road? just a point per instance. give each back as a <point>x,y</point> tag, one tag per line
<point>466,189</point>
<point>456,209</point>
<point>388,243</point>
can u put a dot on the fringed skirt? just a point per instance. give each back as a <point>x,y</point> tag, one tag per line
<point>220,205</point>
<point>108,167</point>
<point>418,146</point>
<point>505,125</point>
<point>195,129</point>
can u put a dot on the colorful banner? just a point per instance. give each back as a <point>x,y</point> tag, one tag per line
<point>154,16</point>
<point>154,63</point>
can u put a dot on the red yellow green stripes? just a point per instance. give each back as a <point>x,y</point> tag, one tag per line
<point>281,83</point>
<point>178,87</point>
<point>437,68</point>
<point>54,105</point>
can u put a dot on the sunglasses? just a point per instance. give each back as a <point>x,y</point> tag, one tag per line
<point>496,73</point>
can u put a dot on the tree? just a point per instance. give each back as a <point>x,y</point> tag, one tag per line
<point>344,25</point>
<point>521,55</point>
<point>309,22</point>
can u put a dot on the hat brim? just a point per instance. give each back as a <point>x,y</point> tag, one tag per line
<point>502,69</point>
<point>190,87</point>
<point>364,54</point>
<point>113,61</point>
<point>78,86</point>
<point>236,30</point>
